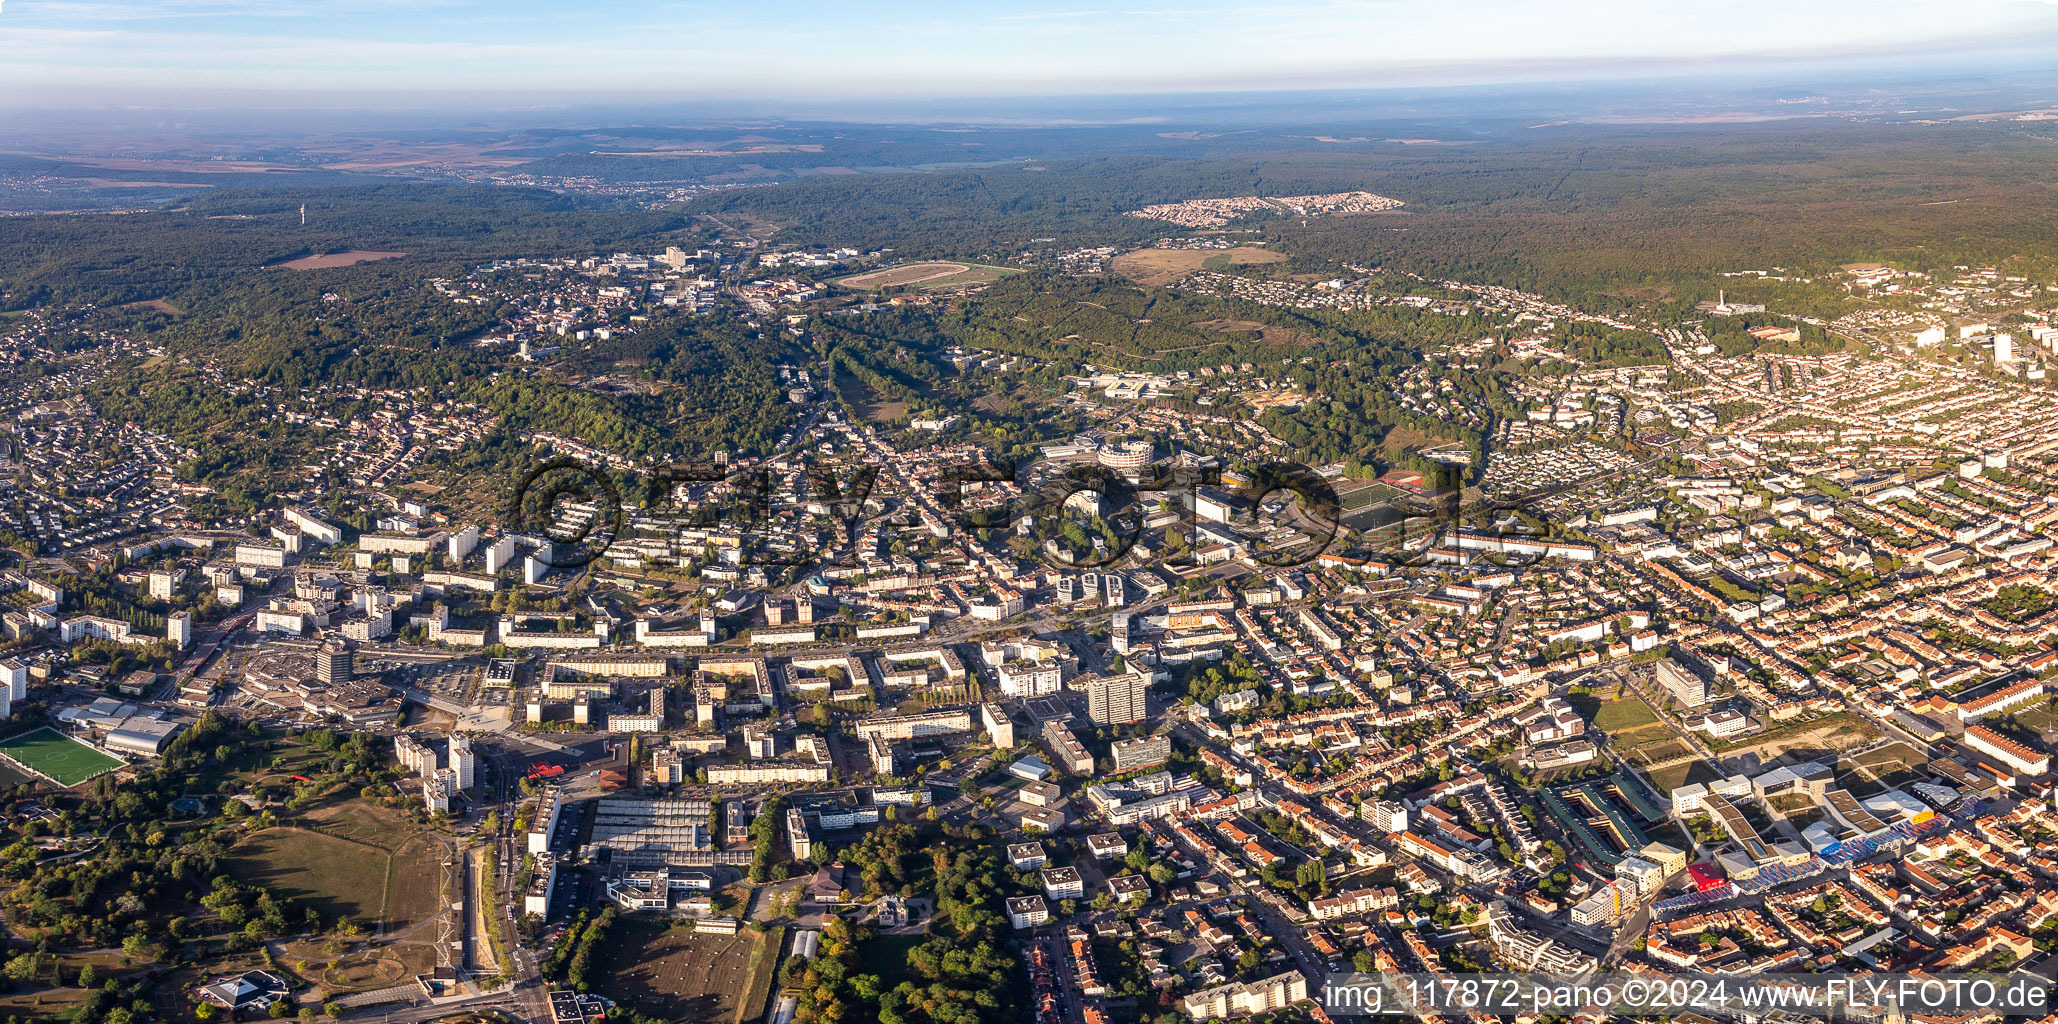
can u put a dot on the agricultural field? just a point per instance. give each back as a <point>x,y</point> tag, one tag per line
<point>926,275</point>
<point>57,757</point>
<point>668,971</point>
<point>1159,267</point>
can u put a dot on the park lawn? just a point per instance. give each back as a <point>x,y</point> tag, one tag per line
<point>2038,718</point>
<point>364,822</point>
<point>414,882</point>
<point>46,1004</point>
<point>336,876</point>
<point>368,863</point>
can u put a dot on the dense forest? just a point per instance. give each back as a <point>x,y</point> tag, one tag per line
<point>216,244</point>
<point>1604,215</point>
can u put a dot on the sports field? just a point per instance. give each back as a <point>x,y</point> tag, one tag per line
<point>57,757</point>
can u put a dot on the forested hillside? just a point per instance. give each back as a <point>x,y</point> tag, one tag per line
<point>213,244</point>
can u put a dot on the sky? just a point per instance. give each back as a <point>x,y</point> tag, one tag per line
<point>64,53</point>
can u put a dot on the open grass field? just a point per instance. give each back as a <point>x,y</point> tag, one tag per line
<point>1267,333</point>
<point>1655,752</point>
<point>331,260</point>
<point>1634,730</point>
<point>367,863</point>
<point>1624,715</point>
<point>57,757</point>
<point>763,970</point>
<point>1157,267</point>
<point>926,275</point>
<point>338,877</point>
<point>870,404</point>
<point>670,972</point>
<point>1665,780</point>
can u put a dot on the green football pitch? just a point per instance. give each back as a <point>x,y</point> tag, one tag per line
<point>57,757</point>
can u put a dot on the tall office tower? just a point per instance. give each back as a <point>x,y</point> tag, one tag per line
<point>332,662</point>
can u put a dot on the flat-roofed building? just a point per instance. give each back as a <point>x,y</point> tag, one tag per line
<point>1685,685</point>
<point>1117,699</point>
<point>1026,912</point>
<point>1065,749</point>
<point>1140,753</point>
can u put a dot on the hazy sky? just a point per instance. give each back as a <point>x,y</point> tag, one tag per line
<point>64,52</point>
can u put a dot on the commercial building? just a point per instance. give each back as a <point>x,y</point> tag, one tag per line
<point>140,734</point>
<point>332,662</point>
<point>643,832</point>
